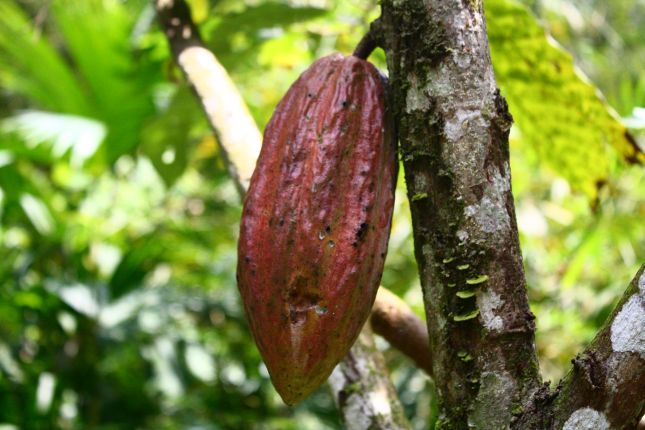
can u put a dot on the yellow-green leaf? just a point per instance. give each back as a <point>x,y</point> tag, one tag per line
<point>560,115</point>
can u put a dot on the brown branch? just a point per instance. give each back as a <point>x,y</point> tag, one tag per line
<point>604,388</point>
<point>240,139</point>
<point>393,319</point>
<point>363,390</point>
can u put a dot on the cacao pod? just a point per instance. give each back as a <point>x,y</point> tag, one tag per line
<point>316,221</point>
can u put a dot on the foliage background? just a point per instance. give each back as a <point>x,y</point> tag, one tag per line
<point>118,304</point>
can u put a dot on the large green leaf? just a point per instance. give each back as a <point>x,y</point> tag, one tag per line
<point>96,76</point>
<point>64,133</point>
<point>560,115</point>
<point>97,34</point>
<point>33,68</point>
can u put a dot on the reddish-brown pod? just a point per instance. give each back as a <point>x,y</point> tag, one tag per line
<point>316,221</point>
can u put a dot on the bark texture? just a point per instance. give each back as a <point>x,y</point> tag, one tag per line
<point>226,111</point>
<point>453,129</point>
<point>361,392</point>
<point>604,388</point>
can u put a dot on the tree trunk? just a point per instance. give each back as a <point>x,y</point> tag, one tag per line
<point>453,128</point>
<point>453,131</point>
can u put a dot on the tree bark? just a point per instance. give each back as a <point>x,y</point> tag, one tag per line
<point>361,392</point>
<point>453,129</point>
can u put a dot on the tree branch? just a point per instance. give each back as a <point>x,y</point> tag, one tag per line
<point>362,390</point>
<point>606,385</point>
<point>604,388</point>
<point>453,129</point>
<point>236,131</point>
<point>393,319</point>
<point>240,140</point>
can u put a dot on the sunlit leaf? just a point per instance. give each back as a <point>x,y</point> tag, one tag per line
<point>97,35</point>
<point>286,51</point>
<point>33,68</point>
<point>560,115</point>
<point>8,364</point>
<point>38,214</point>
<point>80,297</point>
<point>79,135</point>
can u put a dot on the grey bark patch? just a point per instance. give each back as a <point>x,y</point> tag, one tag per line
<point>628,328</point>
<point>491,408</point>
<point>586,419</point>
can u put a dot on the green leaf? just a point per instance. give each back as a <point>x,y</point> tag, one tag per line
<point>240,32</point>
<point>560,115</point>
<point>31,67</point>
<point>79,135</point>
<point>140,259</point>
<point>38,214</point>
<point>97,35</point>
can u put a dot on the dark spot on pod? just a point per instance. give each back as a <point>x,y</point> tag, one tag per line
<point>300,300</point>
<point>345,103</point>
<point>247,259</point>
<point>360,232</point>
<point>281,222</point>
<point>328,229</point>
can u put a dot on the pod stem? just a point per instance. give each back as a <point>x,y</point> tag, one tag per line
<point>369,42</point>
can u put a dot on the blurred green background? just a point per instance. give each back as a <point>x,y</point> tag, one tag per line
<point>118,224</point>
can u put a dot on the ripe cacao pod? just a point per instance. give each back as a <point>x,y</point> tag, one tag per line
<point>316,221</point>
